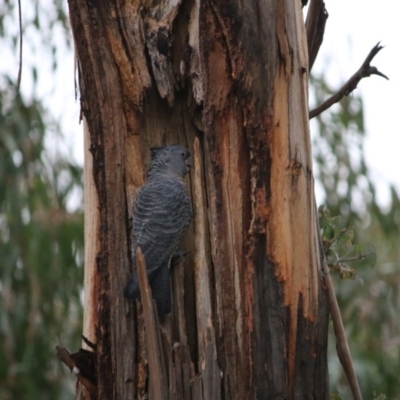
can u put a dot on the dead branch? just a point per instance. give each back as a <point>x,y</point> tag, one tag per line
<point>208,364</point>
<point>365,71</point>
<point>158,378</point>
<point>202,283</point>
<point>65,357</point>
<point>315,28</point>
<point>342,346</point>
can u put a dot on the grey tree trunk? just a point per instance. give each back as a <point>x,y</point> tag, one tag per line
<point>250,314</point>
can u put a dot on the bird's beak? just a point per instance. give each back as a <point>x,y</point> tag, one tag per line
<point>189,162</point>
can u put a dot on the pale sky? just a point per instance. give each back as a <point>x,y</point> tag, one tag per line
<point>353,28</point>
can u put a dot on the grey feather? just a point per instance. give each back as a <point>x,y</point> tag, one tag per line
<point>162,213</point>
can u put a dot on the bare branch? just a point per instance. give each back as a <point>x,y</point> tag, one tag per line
<point>365,70</point>
<point>206,336</point>
<point>342,346</point>
<point>315,28</point>
<point>158,378</point>
<point>65,357</point>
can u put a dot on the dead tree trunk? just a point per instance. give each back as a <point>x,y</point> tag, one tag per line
<point>250,315</point>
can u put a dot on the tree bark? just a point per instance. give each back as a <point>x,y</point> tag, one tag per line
<point>250,314</point>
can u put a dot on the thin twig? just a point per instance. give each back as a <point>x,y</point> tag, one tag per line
<point>365,70</point>
<point>355,258</point>
<point>20,47</point>
<point>342,346</point>
<point>315,28</point>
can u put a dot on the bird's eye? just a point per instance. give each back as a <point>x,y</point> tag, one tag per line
<point>183,155</point>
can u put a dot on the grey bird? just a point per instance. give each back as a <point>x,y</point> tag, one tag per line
<point>162,213</point>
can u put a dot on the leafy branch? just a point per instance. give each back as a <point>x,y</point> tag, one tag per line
<point>339,249</point>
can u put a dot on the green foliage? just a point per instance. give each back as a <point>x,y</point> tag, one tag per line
<point>379,396</point>
<point>41,255</point>
<point>339,247</point>
<point>41,219</point>
<point>370,303</point>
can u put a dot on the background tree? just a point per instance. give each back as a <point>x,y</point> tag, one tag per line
<point>369,301</point>
<point>41,249</point>
<point>41,237</point>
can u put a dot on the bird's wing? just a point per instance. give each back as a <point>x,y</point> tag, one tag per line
<point>162,213</point>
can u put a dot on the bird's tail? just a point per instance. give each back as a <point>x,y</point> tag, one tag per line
<point>161,290</point>
<point>160,287</point>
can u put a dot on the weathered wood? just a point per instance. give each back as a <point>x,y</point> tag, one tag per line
<point>178,316</point>
<point>102,101</point>
<point>250,312</point>
<point>292,194</point>
<point>158,380</point>
<point>65,356</point>
<point>207,364</point>
<point>92,245</point>
<point>196,389</point>
<point>315,26</point>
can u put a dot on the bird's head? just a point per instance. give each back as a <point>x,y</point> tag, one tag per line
<point>173,159</point>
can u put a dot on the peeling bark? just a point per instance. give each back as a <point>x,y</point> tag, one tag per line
<point>229,80</point>
<point>92,245</point>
